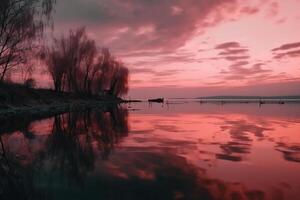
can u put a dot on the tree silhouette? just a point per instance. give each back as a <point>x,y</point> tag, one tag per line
<point>21,22</point>
<point>75,65</point>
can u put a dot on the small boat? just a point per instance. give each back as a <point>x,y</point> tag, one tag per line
<point>158,100</point>
<point>261,102</point>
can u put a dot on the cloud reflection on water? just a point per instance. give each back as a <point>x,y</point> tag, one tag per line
<point>153,154</point>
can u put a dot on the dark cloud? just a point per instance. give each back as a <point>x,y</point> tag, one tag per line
<point>287,46</point>
<point>238,64</point>
<point>295,53</point>
<point>249,10</point>
<point>258,65</point>
<point>239,58</point>
<point>143,24</point>
<point>227,45</point>
<point>234,58</point>
<point>233,51</point>
<point>287,50</point>
<point>239,71</point>
<point>230,51</point>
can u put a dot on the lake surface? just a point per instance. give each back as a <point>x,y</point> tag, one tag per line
<point>180,150</point>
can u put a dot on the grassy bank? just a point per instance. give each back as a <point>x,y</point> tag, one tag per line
<point>21,101</point>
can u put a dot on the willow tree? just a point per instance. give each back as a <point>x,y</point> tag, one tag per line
<point>75,65</point>
<point>21,23</point>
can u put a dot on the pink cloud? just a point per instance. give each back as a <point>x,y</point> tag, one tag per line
<point>227,45</point>
<point>295,53</point>
<point>233,51</point>
<point>249,10</point>
<point>287,46</point>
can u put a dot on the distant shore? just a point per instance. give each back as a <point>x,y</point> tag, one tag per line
<point>245,99</point>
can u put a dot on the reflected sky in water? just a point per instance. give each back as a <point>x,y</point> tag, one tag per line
<point>180,150</point>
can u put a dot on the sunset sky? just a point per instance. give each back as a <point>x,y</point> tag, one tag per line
<point>190,48</point>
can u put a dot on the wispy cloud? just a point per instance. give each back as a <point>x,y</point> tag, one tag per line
<point>287,46</point>
<point>228,45</point>
<point>233,51</point>
<point>295,53</point>
<point>156,73</point>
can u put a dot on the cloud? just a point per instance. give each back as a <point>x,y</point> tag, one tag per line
<point>142,24</point>
<point>287,46</point>
<point>233,51</point>
<point>152,59</point>
<point>141,70</point>
<point>241,68</point>
<point>234,58</point>
<point>228,45</point>
<point>273,9</point>
<point>239,58</point>
<point>238,71</point>
<point>249,10</point>
<point>157,74</point>
<point>287,50</point>
<point>295,53</point>
<point>230,51</point>
<point>167,72</point>
<point>216,83</point>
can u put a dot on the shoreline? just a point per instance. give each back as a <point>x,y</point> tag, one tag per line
<point>45,110</point>
<point>19,101</point>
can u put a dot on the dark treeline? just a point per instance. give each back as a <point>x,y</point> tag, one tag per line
<point>76,65</point>
<point>74,62</point>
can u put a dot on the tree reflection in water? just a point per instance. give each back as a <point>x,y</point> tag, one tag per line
<point>70,149</point>
<point>69,152</point>
<point>16,180</point>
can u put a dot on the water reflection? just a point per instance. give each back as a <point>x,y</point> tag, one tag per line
<point>250,150</point>
<point>290,152</point>
<point>63,156</point>
<point>177,152</point>
<point>240,132</point>
<point>16,180</point>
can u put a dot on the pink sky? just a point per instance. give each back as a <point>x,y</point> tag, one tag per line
<point>189,48</point>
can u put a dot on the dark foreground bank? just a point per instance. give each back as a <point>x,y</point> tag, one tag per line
<point>19,101</point>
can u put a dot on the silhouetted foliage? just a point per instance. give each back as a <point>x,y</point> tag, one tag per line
<point>76,65</point>
<point>21,22</point>
<point>30,83</point>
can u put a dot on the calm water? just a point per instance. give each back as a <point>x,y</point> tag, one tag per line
<point>184,150</point>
